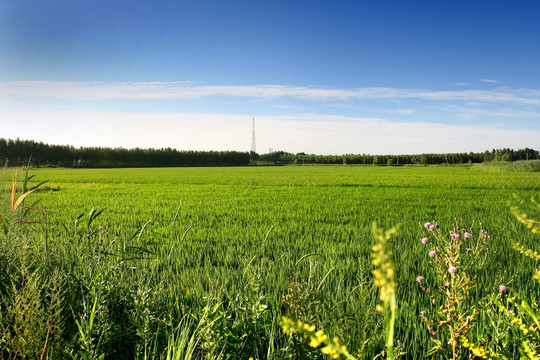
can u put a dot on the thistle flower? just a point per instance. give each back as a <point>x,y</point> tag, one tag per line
<point>432,253</point>
<point>424,241</point>
<point>427,225</point>
<point>502,288</point>
<point>432,228</point>
<point>420,279</point>
<point>467,235</point>
<point>452,269</point>
<point>469,250</point>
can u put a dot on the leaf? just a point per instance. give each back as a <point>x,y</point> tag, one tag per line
<point>13,192</point>
<point>94,213</point>
<point>20,199</point>
<point>303,257</point>
<point>39,185</point>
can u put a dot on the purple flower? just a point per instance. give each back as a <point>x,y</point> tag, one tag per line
<point>422,313</point>
<point>432,253</point>
<point>469,250</point>
<point>420,279</point>
<point>457,237</point>
<point>424,241</point>
<point>452,269</point>
<point>431,227</point>
<point>502,288</point>
<point>467,235</point>
<point>427,225</point>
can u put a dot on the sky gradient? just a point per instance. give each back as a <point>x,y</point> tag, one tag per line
<point>322,77</point>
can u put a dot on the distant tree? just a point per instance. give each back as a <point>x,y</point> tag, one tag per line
<point>17,152</point>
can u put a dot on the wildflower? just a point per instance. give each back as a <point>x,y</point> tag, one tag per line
<point>452,269</point>
<point>427,225</point>
<point>420,279</point>
<point>424,241</point>
<point>432,253</point>
<point>469,250</point>
<point>457,237</point>
<point>467,235</point>
<point>422,313</point>
<point>502,288</point>
<point>431,227</point>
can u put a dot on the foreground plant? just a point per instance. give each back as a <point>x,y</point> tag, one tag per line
<point>384,274</point>
<point>452,256</point>
<point>317,338</point>
<point>522,313</point>
<point>31,295</point>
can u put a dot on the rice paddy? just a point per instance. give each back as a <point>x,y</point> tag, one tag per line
<point>245,245</point>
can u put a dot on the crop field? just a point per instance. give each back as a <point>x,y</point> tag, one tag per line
<point>220,254</point>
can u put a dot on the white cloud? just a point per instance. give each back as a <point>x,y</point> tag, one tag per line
<point>404,111</point>
<point>490,81</point>
<point>462,83</point>
<point>357,123</point>
<point>188,90</point>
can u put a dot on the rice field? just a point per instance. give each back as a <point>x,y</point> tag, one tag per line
<point>225,252</point>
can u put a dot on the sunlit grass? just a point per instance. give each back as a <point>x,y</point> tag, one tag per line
<point>213,278</point>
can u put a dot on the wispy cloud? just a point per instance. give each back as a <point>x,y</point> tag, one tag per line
<point>462,83</point>
<point>490,81</point>
<point>288,107</point>
<point>188,90</point>
<point>404,111</point>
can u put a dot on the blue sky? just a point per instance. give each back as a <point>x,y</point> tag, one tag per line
<point>326,77</point>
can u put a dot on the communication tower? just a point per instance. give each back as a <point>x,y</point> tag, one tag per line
<point>253,148</point>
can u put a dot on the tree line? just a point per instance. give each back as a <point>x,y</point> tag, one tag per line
<point>19,152</point>
<point>281,157</point>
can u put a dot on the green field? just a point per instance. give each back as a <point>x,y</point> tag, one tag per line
<point>250,244</point>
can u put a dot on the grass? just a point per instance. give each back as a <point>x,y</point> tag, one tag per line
<point>247,246</point>
<point>504,166</point>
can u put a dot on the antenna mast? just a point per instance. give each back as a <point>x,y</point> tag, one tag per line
<point>253,148</point>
